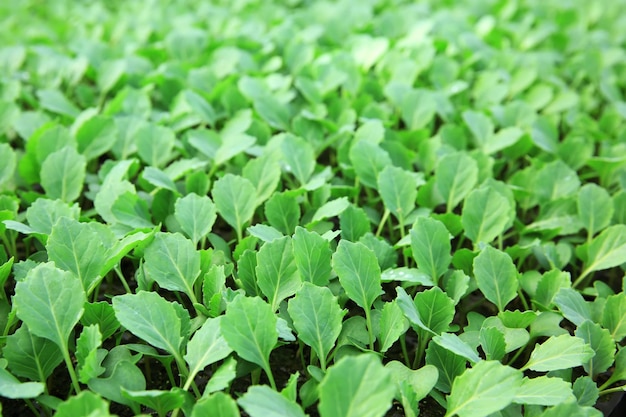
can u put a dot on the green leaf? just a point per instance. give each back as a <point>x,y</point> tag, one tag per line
<point>159,179</point>
<point>595,208</point>
<point>586,391</point>
<point>207,346</point>
<point>559,352</point>
<point>87,354</point>
<point>435,309</point>
<point>354,223</point>
<point>298,156</point>
<point>222,377</point>
<point>485,215</point>
<point>56,102</point>
<point>154,144</point>
<point>356,386</point>
<point>313,256</point>
<point>480,125</point>
<point>614,316</point>
<point>63,174</point>
<point>332,208</point>
<point>249,327</point>
<point>607,250</point>
<point>496,276</point>
<point>317,318</point>
<point>398,189</point>
<point>77,247</point>
<point>368,160</point>
<point>430,241</point>
<point>419,382</point>
<point>262,401</point>
<point>405,302</point>
<point>392,325</point>
<point>121,374</point>
<point>196,216</point>
<point>158,400</point>
<point>572,305</point>
<point>84,404</point>
<point>31,356</point>
<point>493,343</point>
<point>8,162</point>
<point>11,387</point>
<point>102,314</point>
<point>50,301</point>
<point>96,136</point>
<point>283,212</point>
<point>235,199</point>
<point>449,364</point>
<point>264,174</point>
<point>486,388</point>
<point>456,176</point>
<point>44,213</point>
<point>601,341</point>
<point>358,272</point>
<point>264,232</point>
<point>218,404</point>
<point>456,345</point>
<point>543,390</point>
<point>554,181</point>
<point>131,210</point>
<point>152,318</point>
<point>173,262</point>
<point>276,271</point>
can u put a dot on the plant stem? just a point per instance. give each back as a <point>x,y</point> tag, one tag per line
<point>119,274</point>
<point>402,234</point>
<point>421,348</point>
<point>581,277</point>
<point>621,388</point>
<point>383,220</point>
<point>370,331</point>
<point>405,352</point>
<point>70,368</point>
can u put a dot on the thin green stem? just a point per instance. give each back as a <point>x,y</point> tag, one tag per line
<point>421,349</point>
<point>581,278</point>
<point>520,294</point>
<point>70,368</point>
<point>621,388</point>
<point>402,234</point>
<point>383,220</point>
<point>370,330</point>
<point>119,274</point>
<point>405,352</point>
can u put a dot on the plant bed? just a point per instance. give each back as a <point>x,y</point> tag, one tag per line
<point>334,209</point>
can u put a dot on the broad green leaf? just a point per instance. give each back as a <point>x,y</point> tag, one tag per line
<point>493,343</point>
<point>235,199</point>
<point>392,325</point>
<point>159,179</point>
<point>559,352</point>
<point>11,387</point>
<point>56,102</point>
<point>358,272</point>
<point>449,364</point>
<point>200,106</point>
<point>44,213</point>
<point>485,215</point>
<point>614,316</point>
<point>480,125</point>
<point>87,354</point>
<point>264,232</point>
<point>78,248</point>
<point>368,160</point>
<point>152,318</point>
<point>173,262</point>
<point>313,256</point>
<point>430,241</point>
<point>405,302</point>
<point>8,162</point>
<point>418,108</point>
<point>85,403</point>
<point>222,377</point>
<point>601,341</point>
<point>356,386</point>
<point>367,50</point>
<point>455,177</point>
<point>354,223</point>
<point>549,286</point>
<point>496,276</point>
<point>332,208</point>
<point>435,309</point>
<point>486,388</point>
<point>158,400</point>
<point>398,189</point>
<point>543,390</point>
<point>207,346</point>
<point>456,345</point>
<point>586,391</point>
<point>154,144</point>
<point>96,136</point>
<point>573,306</point>
<point>554,181</point>
<point>262,401</point>
<point>196,215</point>
<point>276,271</point>
<point>595,208</point>
<point>63,174</point>
<point>412,384</point>
<point>607,250</point>
<point>218,404</point>
<point>249,327</point>
<point>298,156</point>
<point>408,275</point>
<point>274,112</point>
<point>283,212</point>
<point>102,314</point>
<point>503,139</point>
<point>316,318</point>
<point>264,174</point>
<point>121,374</point>
<point>50,301</point>
<point>131,210</point>
<point>31,356</point>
